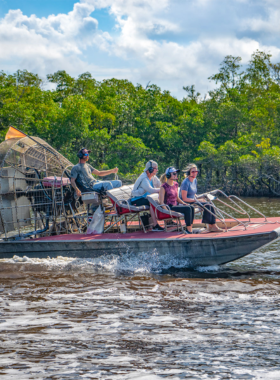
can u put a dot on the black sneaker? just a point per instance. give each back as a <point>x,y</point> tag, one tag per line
<point>158,228</point>
<point>171,223</point>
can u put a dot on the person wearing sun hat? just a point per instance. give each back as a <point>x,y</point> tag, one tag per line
<point>168,195</point>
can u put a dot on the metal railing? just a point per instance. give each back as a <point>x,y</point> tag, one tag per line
<point>233,205</point>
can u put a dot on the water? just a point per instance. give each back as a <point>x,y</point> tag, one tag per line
<point>127,318</point>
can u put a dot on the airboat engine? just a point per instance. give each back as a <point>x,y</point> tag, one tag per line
<point>34,182</point>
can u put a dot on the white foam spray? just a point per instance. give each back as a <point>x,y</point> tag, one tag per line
<point>142,262</point>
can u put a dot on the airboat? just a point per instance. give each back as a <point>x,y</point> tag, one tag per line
<point>40,216</point>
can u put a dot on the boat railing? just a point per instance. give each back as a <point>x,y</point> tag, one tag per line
<point>240,200</point>
<point>218,215</point>
<point>233,199</point>
<point>164,206</point>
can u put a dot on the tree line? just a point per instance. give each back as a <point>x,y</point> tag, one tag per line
<point>232,134</point>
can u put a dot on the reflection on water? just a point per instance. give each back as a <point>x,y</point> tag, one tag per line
<point>127,318</point>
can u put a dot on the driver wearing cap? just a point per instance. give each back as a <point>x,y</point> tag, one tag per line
<point>82,179</point>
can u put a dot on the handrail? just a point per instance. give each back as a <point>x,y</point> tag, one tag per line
<point>123,200</point>
<point>234,196</point>
<point>168,209</point>
<point>243,213</point>
<point>251,207</point>
<point>232,199</point>
<point>163,205</point>
<point>211,204</point>
<point>236,204</point>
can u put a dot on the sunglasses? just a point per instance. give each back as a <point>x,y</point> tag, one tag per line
<point>86,155</point>
<point>195,171</point>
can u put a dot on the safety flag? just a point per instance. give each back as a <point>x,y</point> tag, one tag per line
<point>14,133</point>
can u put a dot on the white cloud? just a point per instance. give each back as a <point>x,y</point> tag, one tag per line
<point>268,23</point>
<point>46,43</point>
<point>177,63</point>
<point>169,42</point>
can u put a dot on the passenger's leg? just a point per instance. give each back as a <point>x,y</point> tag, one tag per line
<point>116,183</point>
<point>140,202</point>
<point>192,218</point>
<point>207,217</point>
<point>153,216</point>
<point>102,185</point>
<point>107,185</point>
<point>188,213</point>
<point>210,219</point>
<point>145,202</point>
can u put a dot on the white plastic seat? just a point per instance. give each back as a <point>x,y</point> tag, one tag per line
<point>164,214</point>
<point>124,211</point>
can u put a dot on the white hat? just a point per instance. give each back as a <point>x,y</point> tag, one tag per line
<point>171,170</point>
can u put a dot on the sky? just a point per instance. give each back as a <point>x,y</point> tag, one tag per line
<point>171,43</point>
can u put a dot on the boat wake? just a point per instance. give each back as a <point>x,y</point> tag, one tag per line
<point>212,268</point>
<point>128,262</point>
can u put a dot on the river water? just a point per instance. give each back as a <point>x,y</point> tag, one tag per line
<point>127,318</point>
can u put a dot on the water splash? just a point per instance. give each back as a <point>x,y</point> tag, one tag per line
<point>211,268</point>
<point>142,262</point>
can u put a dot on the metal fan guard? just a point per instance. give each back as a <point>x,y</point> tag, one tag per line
<point>26,204</point>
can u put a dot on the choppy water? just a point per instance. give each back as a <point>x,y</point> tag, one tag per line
<point>127,318</point>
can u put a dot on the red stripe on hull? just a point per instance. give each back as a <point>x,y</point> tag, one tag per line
<point>257,226</point>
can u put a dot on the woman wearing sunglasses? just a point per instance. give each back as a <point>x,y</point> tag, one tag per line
<point>168,194</point>
<point>188,192</point>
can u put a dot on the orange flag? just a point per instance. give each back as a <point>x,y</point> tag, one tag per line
<point>13,133</point>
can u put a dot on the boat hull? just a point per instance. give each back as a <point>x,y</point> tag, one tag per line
<point>204,250</point>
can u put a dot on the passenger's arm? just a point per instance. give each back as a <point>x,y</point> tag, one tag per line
<point>161,196</point>
<point>73,183</point>
<point>156,182</point>
<point>185,197</point>
<point>102,173</point>
<point>146,185</point>
<point>179,200</point>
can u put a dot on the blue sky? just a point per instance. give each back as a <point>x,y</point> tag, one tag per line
<point>40,8</point>
<point>172,43</point>
<point>46,8</point>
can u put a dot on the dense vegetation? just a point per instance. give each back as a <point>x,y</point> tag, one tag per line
<point>233,134</point>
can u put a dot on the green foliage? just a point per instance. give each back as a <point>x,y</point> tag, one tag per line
<point>233,134</point>
<point>130,154</point>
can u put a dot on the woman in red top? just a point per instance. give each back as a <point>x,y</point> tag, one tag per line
<point>168,194</point>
